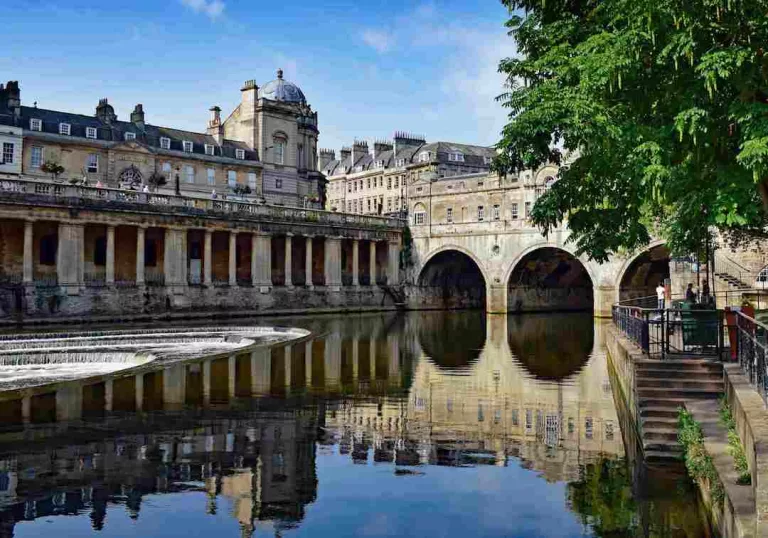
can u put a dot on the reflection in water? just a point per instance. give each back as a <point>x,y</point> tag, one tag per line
<point>378,425</point>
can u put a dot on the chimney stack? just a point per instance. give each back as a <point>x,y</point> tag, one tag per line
<point>215,128</point>
<point>137,116</point>
<point>10,98</point>
<point>105,112</point>
<point>326,156</point>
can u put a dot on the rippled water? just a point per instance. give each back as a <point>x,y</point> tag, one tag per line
<point>435,424</point>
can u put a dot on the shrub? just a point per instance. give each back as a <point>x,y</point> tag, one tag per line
<point>697,461</point>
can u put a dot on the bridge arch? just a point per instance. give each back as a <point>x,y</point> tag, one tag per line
<point>547,277</point>
<point>639,275</point>
<point>452,277</point>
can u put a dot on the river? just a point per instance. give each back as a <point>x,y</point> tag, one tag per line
<point>420,424</point>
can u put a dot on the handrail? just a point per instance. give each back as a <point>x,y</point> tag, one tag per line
<point>238,207</point>
<point>725,265</point>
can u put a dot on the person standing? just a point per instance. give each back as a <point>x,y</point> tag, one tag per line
<point>690,295</point>
<point>661,293</point>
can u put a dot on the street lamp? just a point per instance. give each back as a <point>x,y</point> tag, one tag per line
<point>177,183</point>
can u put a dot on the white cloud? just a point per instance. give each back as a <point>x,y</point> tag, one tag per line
<point>379,40</point>
<point>211,8</point>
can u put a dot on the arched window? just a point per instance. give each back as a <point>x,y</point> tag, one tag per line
<point>762,276</point>
<point>130,176</point>
<point>419,215</point>
<point>279,143</point>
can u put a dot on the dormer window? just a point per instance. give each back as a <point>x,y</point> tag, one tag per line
<point>36,124</point>
<point>188,146</point>
<point>65,129</point>
<point>240,154</point>
<point>359,168</point>
<point>165,142</point>
<point>456,157</point>
<point>487,160</point>
<point>378,164</point>
<point>130,136</point>
<point>90,132</point>
<point>424,157</point>
<point>208,149</point>
<point>400,162</point>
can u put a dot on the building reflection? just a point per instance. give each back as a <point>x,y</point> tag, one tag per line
<point>247,427</point>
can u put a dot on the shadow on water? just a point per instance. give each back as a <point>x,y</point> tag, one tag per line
<point>361,429</point>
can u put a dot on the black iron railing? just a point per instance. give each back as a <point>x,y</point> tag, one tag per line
<point>751,345</point>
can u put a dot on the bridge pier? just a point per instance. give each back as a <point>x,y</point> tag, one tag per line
<point>496,299</point>
<point>604,296</point>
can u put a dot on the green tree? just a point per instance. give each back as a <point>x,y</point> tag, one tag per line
<point>657,110</point>
<point>53,168</point>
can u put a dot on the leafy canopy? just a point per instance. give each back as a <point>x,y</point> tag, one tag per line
<point>657,110</point>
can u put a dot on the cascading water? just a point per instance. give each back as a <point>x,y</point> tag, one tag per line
<point>31,360</point>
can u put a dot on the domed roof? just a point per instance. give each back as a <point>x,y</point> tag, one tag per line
<point>282,90</point>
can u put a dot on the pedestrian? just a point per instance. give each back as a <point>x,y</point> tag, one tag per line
<point>213,194</point>
<point>690,295</point>
<point>660,295</point>
<point>145,189</point>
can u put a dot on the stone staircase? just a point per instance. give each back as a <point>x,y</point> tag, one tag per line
<point>732,281</point>
<point>664,385</point>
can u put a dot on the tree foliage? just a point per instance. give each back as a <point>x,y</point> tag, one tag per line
<point>655,108</point>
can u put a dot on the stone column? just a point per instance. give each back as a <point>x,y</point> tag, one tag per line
<point>373,263</point>
<point>308,362</point>
<point>175,266</point>
<point>287,352</point>
<point>231,372</point>
<point>206,382</point>
<point>261,262</point>
<point>29,259</point>
<point>139,392</point>
<point>288,264</point>
<point>308,263</point>
<point>140,240</point>
<point>109,394</point>
<point>355,262</point>
<point>232,258</point>
<point>208,258</point>
<point>70,262</point>
<point>333,263</point>
<point>261,371</point>
<point>496,298</point>
<point>393,263</point>
<point>110,269</point>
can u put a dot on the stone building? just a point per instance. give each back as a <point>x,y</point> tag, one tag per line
<point>361,181</point>
<point>267,143</point>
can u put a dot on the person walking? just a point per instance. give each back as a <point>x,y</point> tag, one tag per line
<point>661,293</point>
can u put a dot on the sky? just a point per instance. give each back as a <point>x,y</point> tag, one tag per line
<point>368,68</point>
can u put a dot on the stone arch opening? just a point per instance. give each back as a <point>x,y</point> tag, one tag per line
<point>452,353</point>
<point>549,279</point>
<point>645,273</point>
<point>452,280</point>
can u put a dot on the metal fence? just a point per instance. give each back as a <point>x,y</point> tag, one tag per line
<point>750,351</point>
<point>672,332</point>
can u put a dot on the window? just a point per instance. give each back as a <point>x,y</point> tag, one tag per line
<point>588,428</point>
<point>240,154</point>
<point>65,129</point>
<point>349,207</point>
<point>36,124</point>
<point>359,168</point>
<point>279,152</point>
<point>527,210</point>
<point>419,215</point>
<point>189,174</point>
<point>252,181</point>
<point>167,167</point>
<point>449,214</point>
<point>496,212</point>
<point>48,247</point>
<point>400,162</point>
<point>90,132</point>
<point>456,157</point>
<point>36,157</point>
<point>211,176</point>
<point>165,142</point>
<point>231,178</point>
<point>538,192</point>
<point>389,183</point>
<point>389,204</point>
<point>93,163</point>
<point>369,205</point>
<point>480,213</point>
<point>7,153</point>
<point>424,157</point>
<point>369,182</point>
<point>514,211</point>
<point>487,160</point>
<point>188,146</point>
<point>397,182</point>
<point>378,164</point>
<point>278,183</point>
<point>130,136</point>
<point>349,187</point>
<point>208,149</point>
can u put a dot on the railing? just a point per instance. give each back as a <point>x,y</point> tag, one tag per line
<point>726,266</point>
<point>751,344</point>
<point>154,278</point>
<point>77,193</point>
<point>673,332</point>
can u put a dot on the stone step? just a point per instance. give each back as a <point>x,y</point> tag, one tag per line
<point>662,412</point>
<point>662,446</point>
<point>689,365</point>
<point>659,422</point>
<point>685,394</point>
<point>679,383</point>
<point>661,434</point>
<point>663,456</point>
<point>676,373</point>
<point>662,402</point>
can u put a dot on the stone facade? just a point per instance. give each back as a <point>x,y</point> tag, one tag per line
<point>268,143</point>
<point>361,181</point>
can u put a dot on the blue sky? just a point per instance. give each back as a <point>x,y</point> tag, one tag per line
<point>368,68</point>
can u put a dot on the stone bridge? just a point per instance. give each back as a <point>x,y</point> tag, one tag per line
<point>509,266</point>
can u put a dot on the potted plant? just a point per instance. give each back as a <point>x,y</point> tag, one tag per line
<point>241,190</point>
<point>53,168</point>
<point>156,180</point>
